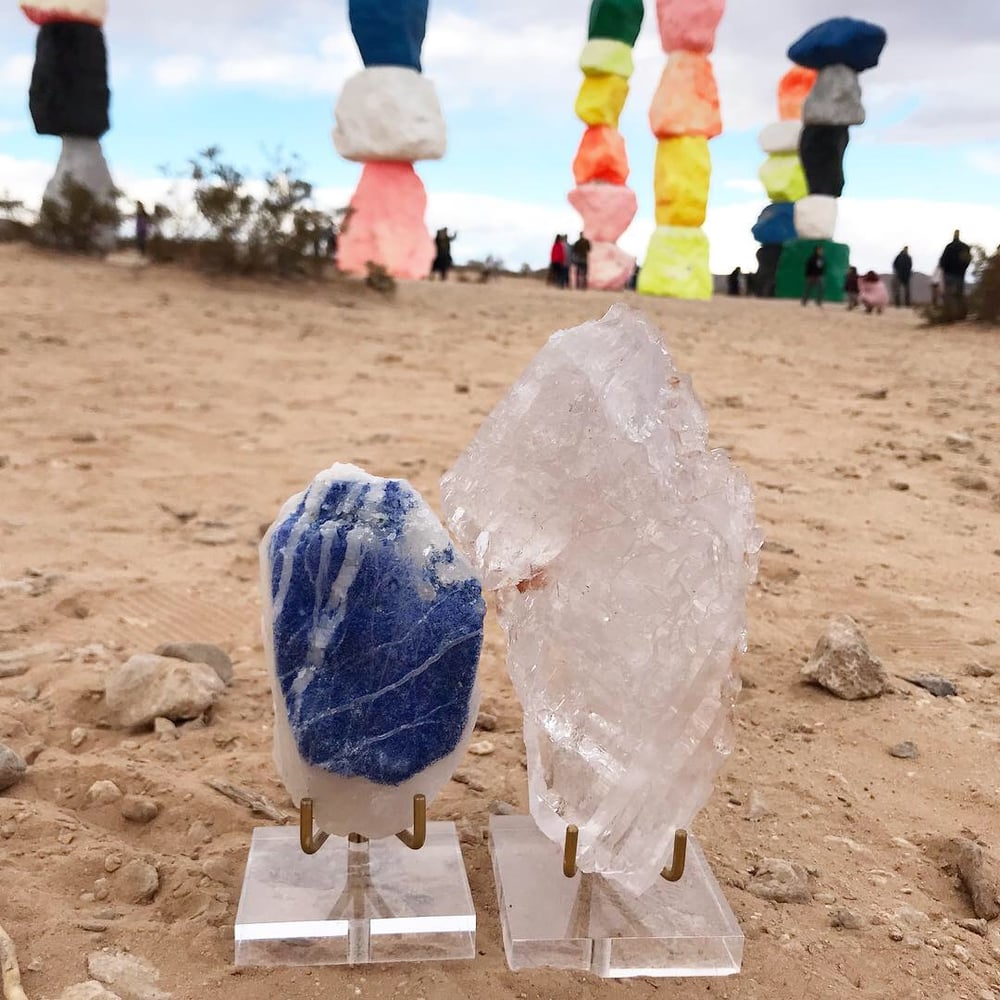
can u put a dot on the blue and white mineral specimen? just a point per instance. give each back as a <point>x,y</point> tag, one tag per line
<point>374,626</point>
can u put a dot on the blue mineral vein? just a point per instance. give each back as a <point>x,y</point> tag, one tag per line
<point>376,636</point>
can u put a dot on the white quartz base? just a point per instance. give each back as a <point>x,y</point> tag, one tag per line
<point>683,928</point>
<point>351,904</point>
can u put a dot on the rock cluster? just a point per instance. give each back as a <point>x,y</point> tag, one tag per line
<point>805,166</point>
<point>69,95</point>
<point>600,168</point>
<point>684,115</point>
<point>388,117</point>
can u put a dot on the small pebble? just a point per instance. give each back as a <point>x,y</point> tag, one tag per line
<point>898,484</point>
<point>12,767</point>
<point>482,749</point>
<point>139,808</point>
<point>979,670</point>
<point>976,926</point>
<point>77,736</point>
<point>499,808</point>
<point>846,919</point>
<point>103,793</point>
<point>907,750</point>
<point>486,722</point>
<point>112,863</point>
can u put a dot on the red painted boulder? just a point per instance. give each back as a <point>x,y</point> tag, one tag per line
<point>601,156</point>
<point>793,90</point>
<point>386,225</point>
<point>607,210</point>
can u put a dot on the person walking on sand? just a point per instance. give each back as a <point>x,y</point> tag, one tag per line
<point>581,261</point>
<point>955,260</point>
<point>902,271</point>
<point>851,288</point>
<point>815,270</point>
<point>142,221</point>
<point>873,293</point>
<point>442,253</point>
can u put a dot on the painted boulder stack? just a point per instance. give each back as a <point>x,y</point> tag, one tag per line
<point>69,95</point>
<point>684,116</point>
<point>373,626</point>
<point>605,203</point>
<point>388,117</point>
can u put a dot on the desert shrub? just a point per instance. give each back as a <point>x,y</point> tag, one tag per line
<point>15,220</point>
<point>982,299</point>
<point>379,279</point>
<point>77,220</point>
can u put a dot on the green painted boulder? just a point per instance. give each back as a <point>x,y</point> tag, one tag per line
<point>617,19</point>
<point>791,278</point>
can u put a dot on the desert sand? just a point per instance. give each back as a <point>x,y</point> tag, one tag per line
<point>151,423</point>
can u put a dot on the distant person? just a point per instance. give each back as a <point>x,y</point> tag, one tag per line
<point>580,256</point>
<point>815,270</point>
<point>557,262</point>
<point>902,271</point>
<point>937,279</point>
<point>633,278</point>
<point>851,288</point>
<point>442,253</point>
<point>750,280</point>
<point>873,293</point>
<point>954,262</point>
<point>733,281</point>
<point>567,257</point>
<point>142,224</point>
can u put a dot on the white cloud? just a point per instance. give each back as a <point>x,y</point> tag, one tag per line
<point>15,71</point>
<point>177,70</point>
<point>10,125</point>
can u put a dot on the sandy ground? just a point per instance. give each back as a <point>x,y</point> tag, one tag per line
<point>151,423</point>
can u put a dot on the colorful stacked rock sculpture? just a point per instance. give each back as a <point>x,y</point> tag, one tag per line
<point>600,169</point>
<point>387,118</point>
<point>684,115</point>
<point>837,51</point>
<point>69,95</point>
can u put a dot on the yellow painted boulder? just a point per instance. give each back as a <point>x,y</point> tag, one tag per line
<point>783,177</point>
<point>687,99</point>
<point>602,56</point>
<point>676,264</point>
<point>681,179</point>
<point>601,99</point>
<point>601,156</point>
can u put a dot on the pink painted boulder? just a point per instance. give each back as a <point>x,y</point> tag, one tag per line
<point>689,25</point>
<point>386,225</point>
<point>607,210</point>
<point>609,267</point>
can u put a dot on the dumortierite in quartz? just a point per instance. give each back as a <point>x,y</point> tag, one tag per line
<point>621,548</point>
<point>374,626</point>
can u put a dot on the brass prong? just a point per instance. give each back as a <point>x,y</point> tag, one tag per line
<point>414,841</point>
<point>569,850</point>
<point>676,869</point>
<point>309,842</point>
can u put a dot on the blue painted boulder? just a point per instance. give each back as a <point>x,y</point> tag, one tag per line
<point>374,626</point>
<point>840,41</point>
<point>389,32</point>
<point>776,223</point>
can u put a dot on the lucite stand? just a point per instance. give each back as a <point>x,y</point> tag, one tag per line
<point>676,928</point>
<point>358,901</point>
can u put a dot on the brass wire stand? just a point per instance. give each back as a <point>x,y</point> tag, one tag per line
<point>311,842</point>
<point>673,873</point>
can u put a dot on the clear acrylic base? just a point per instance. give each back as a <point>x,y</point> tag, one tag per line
<point>683,928</point>
<point>351,904</point>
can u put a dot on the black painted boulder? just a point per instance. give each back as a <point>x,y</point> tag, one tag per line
<point>821,150</point>
<point>69,92</point>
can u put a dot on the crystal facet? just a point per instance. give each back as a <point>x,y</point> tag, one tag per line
<point>621,548</point>
<point>374,627</point>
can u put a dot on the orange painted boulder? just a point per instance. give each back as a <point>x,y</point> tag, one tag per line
<point>607,210</point>
<point>681,180</point>
<point>386,225</point>
<point>687,99</point>
<point>601,156</point>
<point>689,25</point>
<point>793,90</point>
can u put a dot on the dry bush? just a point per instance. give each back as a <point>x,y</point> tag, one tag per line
<point>77,220</point>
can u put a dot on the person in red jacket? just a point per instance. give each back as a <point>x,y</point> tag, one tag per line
<point>559,263</point>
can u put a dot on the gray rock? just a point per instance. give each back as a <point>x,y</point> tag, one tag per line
<point>940,687</point>
<point>500,808</point>
<point>486,722</point>
<point>139,808</point>
<point>907,750</point>
<point>979,670</point>
<point>90,990</point>
<point>137,882</point>
<point>781,881</point>
<point>835,98</point>
<point>103,793</point>
<point>843,664</point>
<point>131,977</point>
<point>82,159</point>
<point>12,767</point>
<point>980,874</point>
<point>200,652</point>
<point>846,919</point>
<point>977,926</point>
<point>148,686</point>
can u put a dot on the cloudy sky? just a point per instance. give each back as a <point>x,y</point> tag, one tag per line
<point>253,76</point>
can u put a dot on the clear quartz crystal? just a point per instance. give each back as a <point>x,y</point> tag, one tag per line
<point>620,549</point>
